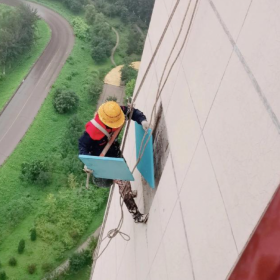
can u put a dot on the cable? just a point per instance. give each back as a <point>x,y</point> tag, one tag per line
<point>160,91</point>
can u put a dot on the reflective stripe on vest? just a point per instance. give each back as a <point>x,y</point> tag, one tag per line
<point>102,129</point>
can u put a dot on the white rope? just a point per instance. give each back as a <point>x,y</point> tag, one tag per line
<point>112,233</point>
<point>159,92</point>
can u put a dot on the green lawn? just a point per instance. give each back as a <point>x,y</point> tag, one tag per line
<point>43,140</point>
<point>16,74</point>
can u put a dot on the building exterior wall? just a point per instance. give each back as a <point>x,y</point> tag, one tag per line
<point>221,107</point>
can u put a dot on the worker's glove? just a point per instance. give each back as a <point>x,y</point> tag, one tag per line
<point>145,125</point>
<point>87,170</point>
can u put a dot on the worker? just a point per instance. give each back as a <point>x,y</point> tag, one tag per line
<point>109,117</point>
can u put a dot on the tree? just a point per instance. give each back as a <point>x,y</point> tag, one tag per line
<point>135,44</point>
<point>17,34</point>
<point>102,41</point>
<point>21,246</point>
<point>33,234</point>
<point>65,101</point>
<point>128,73</point>
<point>90,14</point>
<point>81,29</point>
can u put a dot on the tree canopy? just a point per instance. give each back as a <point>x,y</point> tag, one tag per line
<point>17,33</point>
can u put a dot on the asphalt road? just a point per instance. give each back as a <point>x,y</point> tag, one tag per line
<point>21,111</point>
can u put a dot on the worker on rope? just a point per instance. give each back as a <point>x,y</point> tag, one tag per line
<point>110,116</point>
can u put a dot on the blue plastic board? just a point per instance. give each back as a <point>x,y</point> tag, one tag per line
<point>107,167</point>
<point>146,164</point>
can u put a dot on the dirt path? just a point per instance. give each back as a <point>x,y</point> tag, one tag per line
<point>115,47</point>
<point>64,266</point>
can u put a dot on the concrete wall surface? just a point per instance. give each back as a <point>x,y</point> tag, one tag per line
<point>221,107</point>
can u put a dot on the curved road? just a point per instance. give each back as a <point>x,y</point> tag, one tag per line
<point>21,111</point>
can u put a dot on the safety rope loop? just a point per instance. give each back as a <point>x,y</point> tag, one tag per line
<point>114,232</point>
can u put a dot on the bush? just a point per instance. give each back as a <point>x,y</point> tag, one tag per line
<point>128,73</point>
<point>14,212</point>
<point>79,260</point>
<point>36,172</point>
<point>129,89</point>
<point>81,29</point>
<point>21,246</point>
<point>70,139</point>
<point>3,275</point>
<point>12,261</point>
<point>94,90</point>
<point>93,243</point>
<point>65,101</point>
<point>32,268</point>
<point>33,234</point>
<point>47,267</point>
<point>111,98</point>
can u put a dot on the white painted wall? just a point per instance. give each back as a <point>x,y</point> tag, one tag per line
<point>221,105</point>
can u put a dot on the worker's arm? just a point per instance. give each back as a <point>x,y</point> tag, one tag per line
<point>137,115</point>
<point>85,142</point>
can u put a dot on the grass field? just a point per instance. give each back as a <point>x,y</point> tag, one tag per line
<point>44,141</point>
<point>20,69</point>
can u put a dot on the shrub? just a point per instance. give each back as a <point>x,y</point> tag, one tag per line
<point>95,89</point>
<point>70,139</point>
<point>65,101</point>
<point>93,243</point>
<point>111,98</point>
<point>21,246</point>
<point>81,29</point>
<point>12,261</point>
<point>79,260</point>
<point>31,268</point>
<point>47,267</point>
<point>128,73</point>
<point>33,234</point>
<point>129,89</point>
<point>14,212</point>
<point>3,275</point>
<point>36,172</point>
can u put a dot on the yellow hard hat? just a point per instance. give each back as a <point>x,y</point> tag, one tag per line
<point>111,114</point>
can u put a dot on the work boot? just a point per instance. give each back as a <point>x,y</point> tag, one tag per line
<point>134,193</point>
<point>142,218</point>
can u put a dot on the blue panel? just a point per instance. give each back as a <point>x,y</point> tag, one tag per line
<point>107,167</point>
<point>146,165</point>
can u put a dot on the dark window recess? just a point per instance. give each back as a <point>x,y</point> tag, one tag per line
<point>160,145</point>
<point>161,151</point>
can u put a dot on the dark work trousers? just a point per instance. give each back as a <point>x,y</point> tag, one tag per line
<point>126,193</point>
<point>124,186</point>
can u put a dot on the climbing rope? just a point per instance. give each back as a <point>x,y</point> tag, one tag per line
<point>160,89</point>
<point>149,67</point>
<point>112,233</point>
